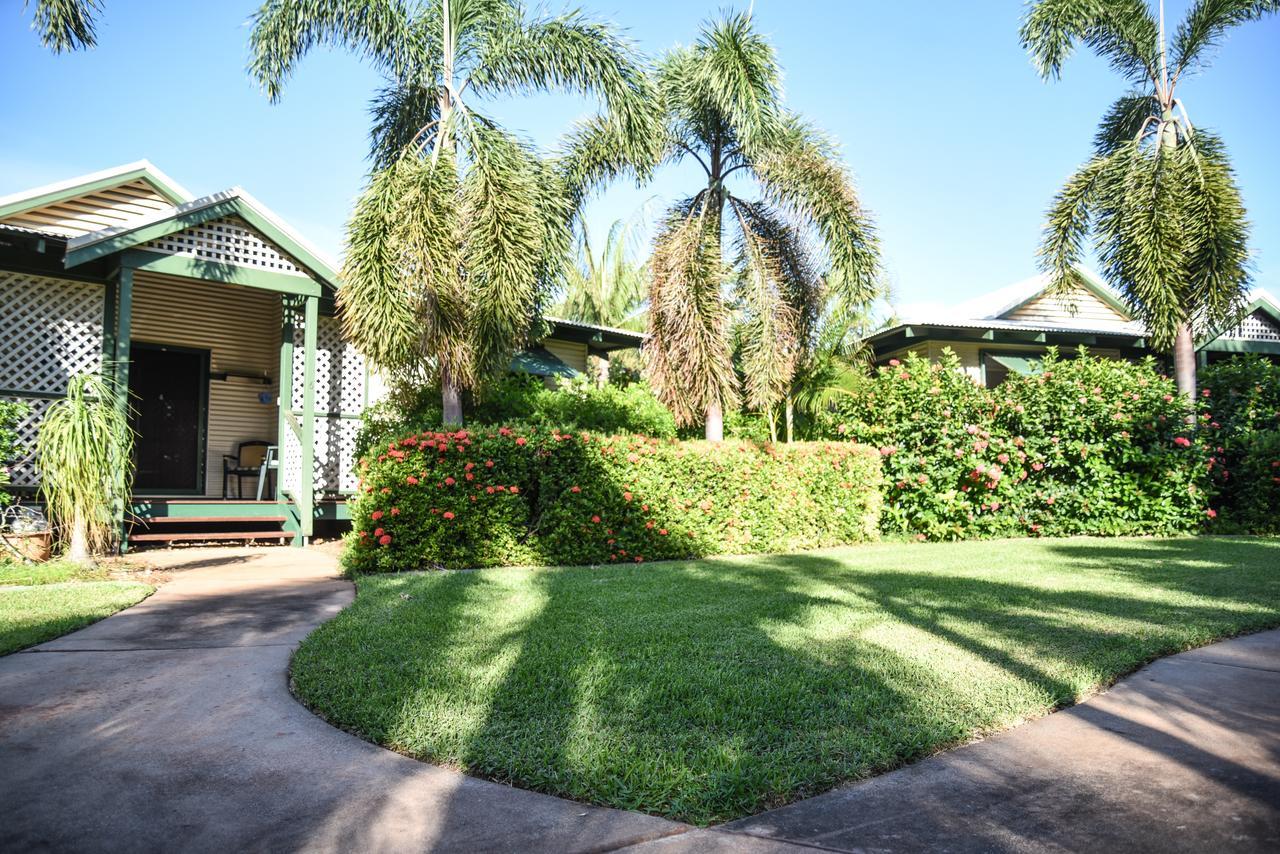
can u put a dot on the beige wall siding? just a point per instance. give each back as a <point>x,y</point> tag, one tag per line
<point>241,329</point>
<point>572,353</point>
<point>116,206</point>
<point>970,353</point>
<point>1089,311</point>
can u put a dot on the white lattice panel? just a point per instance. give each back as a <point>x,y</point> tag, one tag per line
<point>290,462</point>
<point>335,455</point>
<point>1256,327</point>
<point>227,241</point>
<point>340,370</point>
<point>50,330</point>
<point>22,470</point>
<point>340,379</point>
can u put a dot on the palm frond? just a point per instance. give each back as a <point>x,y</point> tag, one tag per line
<point>66,25</point>
<point>1121,31</point>
<point>1206,24</point>
<point>687,356</point>
<point>771,330</point>
<point>505,228</point>
<point>801,174</point>
<point>286,30</point>
<point>1125,121</point>
<point>1069,221</point>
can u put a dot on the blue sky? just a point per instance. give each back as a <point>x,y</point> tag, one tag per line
<point>957,145</point>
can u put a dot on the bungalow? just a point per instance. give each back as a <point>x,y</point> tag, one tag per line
<point>220,320</point>
<point>1002,332</point>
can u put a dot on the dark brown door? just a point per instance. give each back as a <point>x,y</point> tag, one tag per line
<point>168,389</point>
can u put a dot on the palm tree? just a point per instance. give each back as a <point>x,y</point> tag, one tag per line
<point>835,356</point>
<point>463,231</point>
<point>611,289</point>
<point>1159,196</point>
<point>723,109</point>
<point>66,25</point>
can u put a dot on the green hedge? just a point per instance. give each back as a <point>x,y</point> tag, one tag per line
<point>1086,445</point>
<point>1240,417</point>
<point>576,404</point>
<point>529,496</point>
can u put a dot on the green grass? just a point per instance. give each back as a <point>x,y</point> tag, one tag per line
<point>32,615</point>
<point>51,572</point>
<point>708,690</point>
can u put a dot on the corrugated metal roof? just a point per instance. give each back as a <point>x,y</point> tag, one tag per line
<point>613,330</point>
<point>33,232</point>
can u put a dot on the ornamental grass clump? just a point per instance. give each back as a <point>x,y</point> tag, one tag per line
<point>528,496</point>
<point>85,457</point>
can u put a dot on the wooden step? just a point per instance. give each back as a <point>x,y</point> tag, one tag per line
<point>160,520</point>
<point>213,535</point>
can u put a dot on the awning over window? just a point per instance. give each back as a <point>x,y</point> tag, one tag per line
<point>1016,364</point>
<point>541,362</point>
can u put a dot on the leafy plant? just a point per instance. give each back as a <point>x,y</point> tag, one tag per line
<point>724,110</point>
<point>1159,196</point>
<point>528,495</point>
<point>85,458</point>
<point>463,231</point>
<point>1240,419</point>
<point>11,412</point>
<point>1085,445</point>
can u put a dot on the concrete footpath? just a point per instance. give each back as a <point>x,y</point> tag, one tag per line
<point>170,726</point>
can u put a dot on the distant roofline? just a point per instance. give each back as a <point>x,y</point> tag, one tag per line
<point>621,338</point>
<point>25,200</point>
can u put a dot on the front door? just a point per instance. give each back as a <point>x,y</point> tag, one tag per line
<point>168,388</point>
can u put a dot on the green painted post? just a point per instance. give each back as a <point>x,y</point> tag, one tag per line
<point>284,395</point>
<point>110,306</point>
<point>311,321</point>
<point>122,328</point>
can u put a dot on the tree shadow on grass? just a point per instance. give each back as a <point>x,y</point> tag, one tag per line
<point>711,690</point>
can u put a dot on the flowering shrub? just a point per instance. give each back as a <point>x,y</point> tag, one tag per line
<point>530,496</point>
<point>1086,446</point>
<point>1240,418</point>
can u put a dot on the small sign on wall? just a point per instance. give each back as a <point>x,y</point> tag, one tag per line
<point>264,397</point>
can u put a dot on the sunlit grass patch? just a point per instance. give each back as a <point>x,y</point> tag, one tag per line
<point>708,690</point>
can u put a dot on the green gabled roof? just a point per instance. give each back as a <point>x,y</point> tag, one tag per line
<point>233,202</point>
<point>142,170</point>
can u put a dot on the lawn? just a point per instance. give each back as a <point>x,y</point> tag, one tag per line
<point>708,690</point>
<point>57,597</point>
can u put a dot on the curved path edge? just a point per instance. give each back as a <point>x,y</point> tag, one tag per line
<point>170,725</point>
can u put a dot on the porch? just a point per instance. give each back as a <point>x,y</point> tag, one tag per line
<point>219,321</point>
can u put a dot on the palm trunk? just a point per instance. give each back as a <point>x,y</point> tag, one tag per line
<point>773,424</point>
<point>78,547</point>
<point>791,419</point>
<point>450,399</point>
<point>715,423</point>
<point>1184,361</point>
